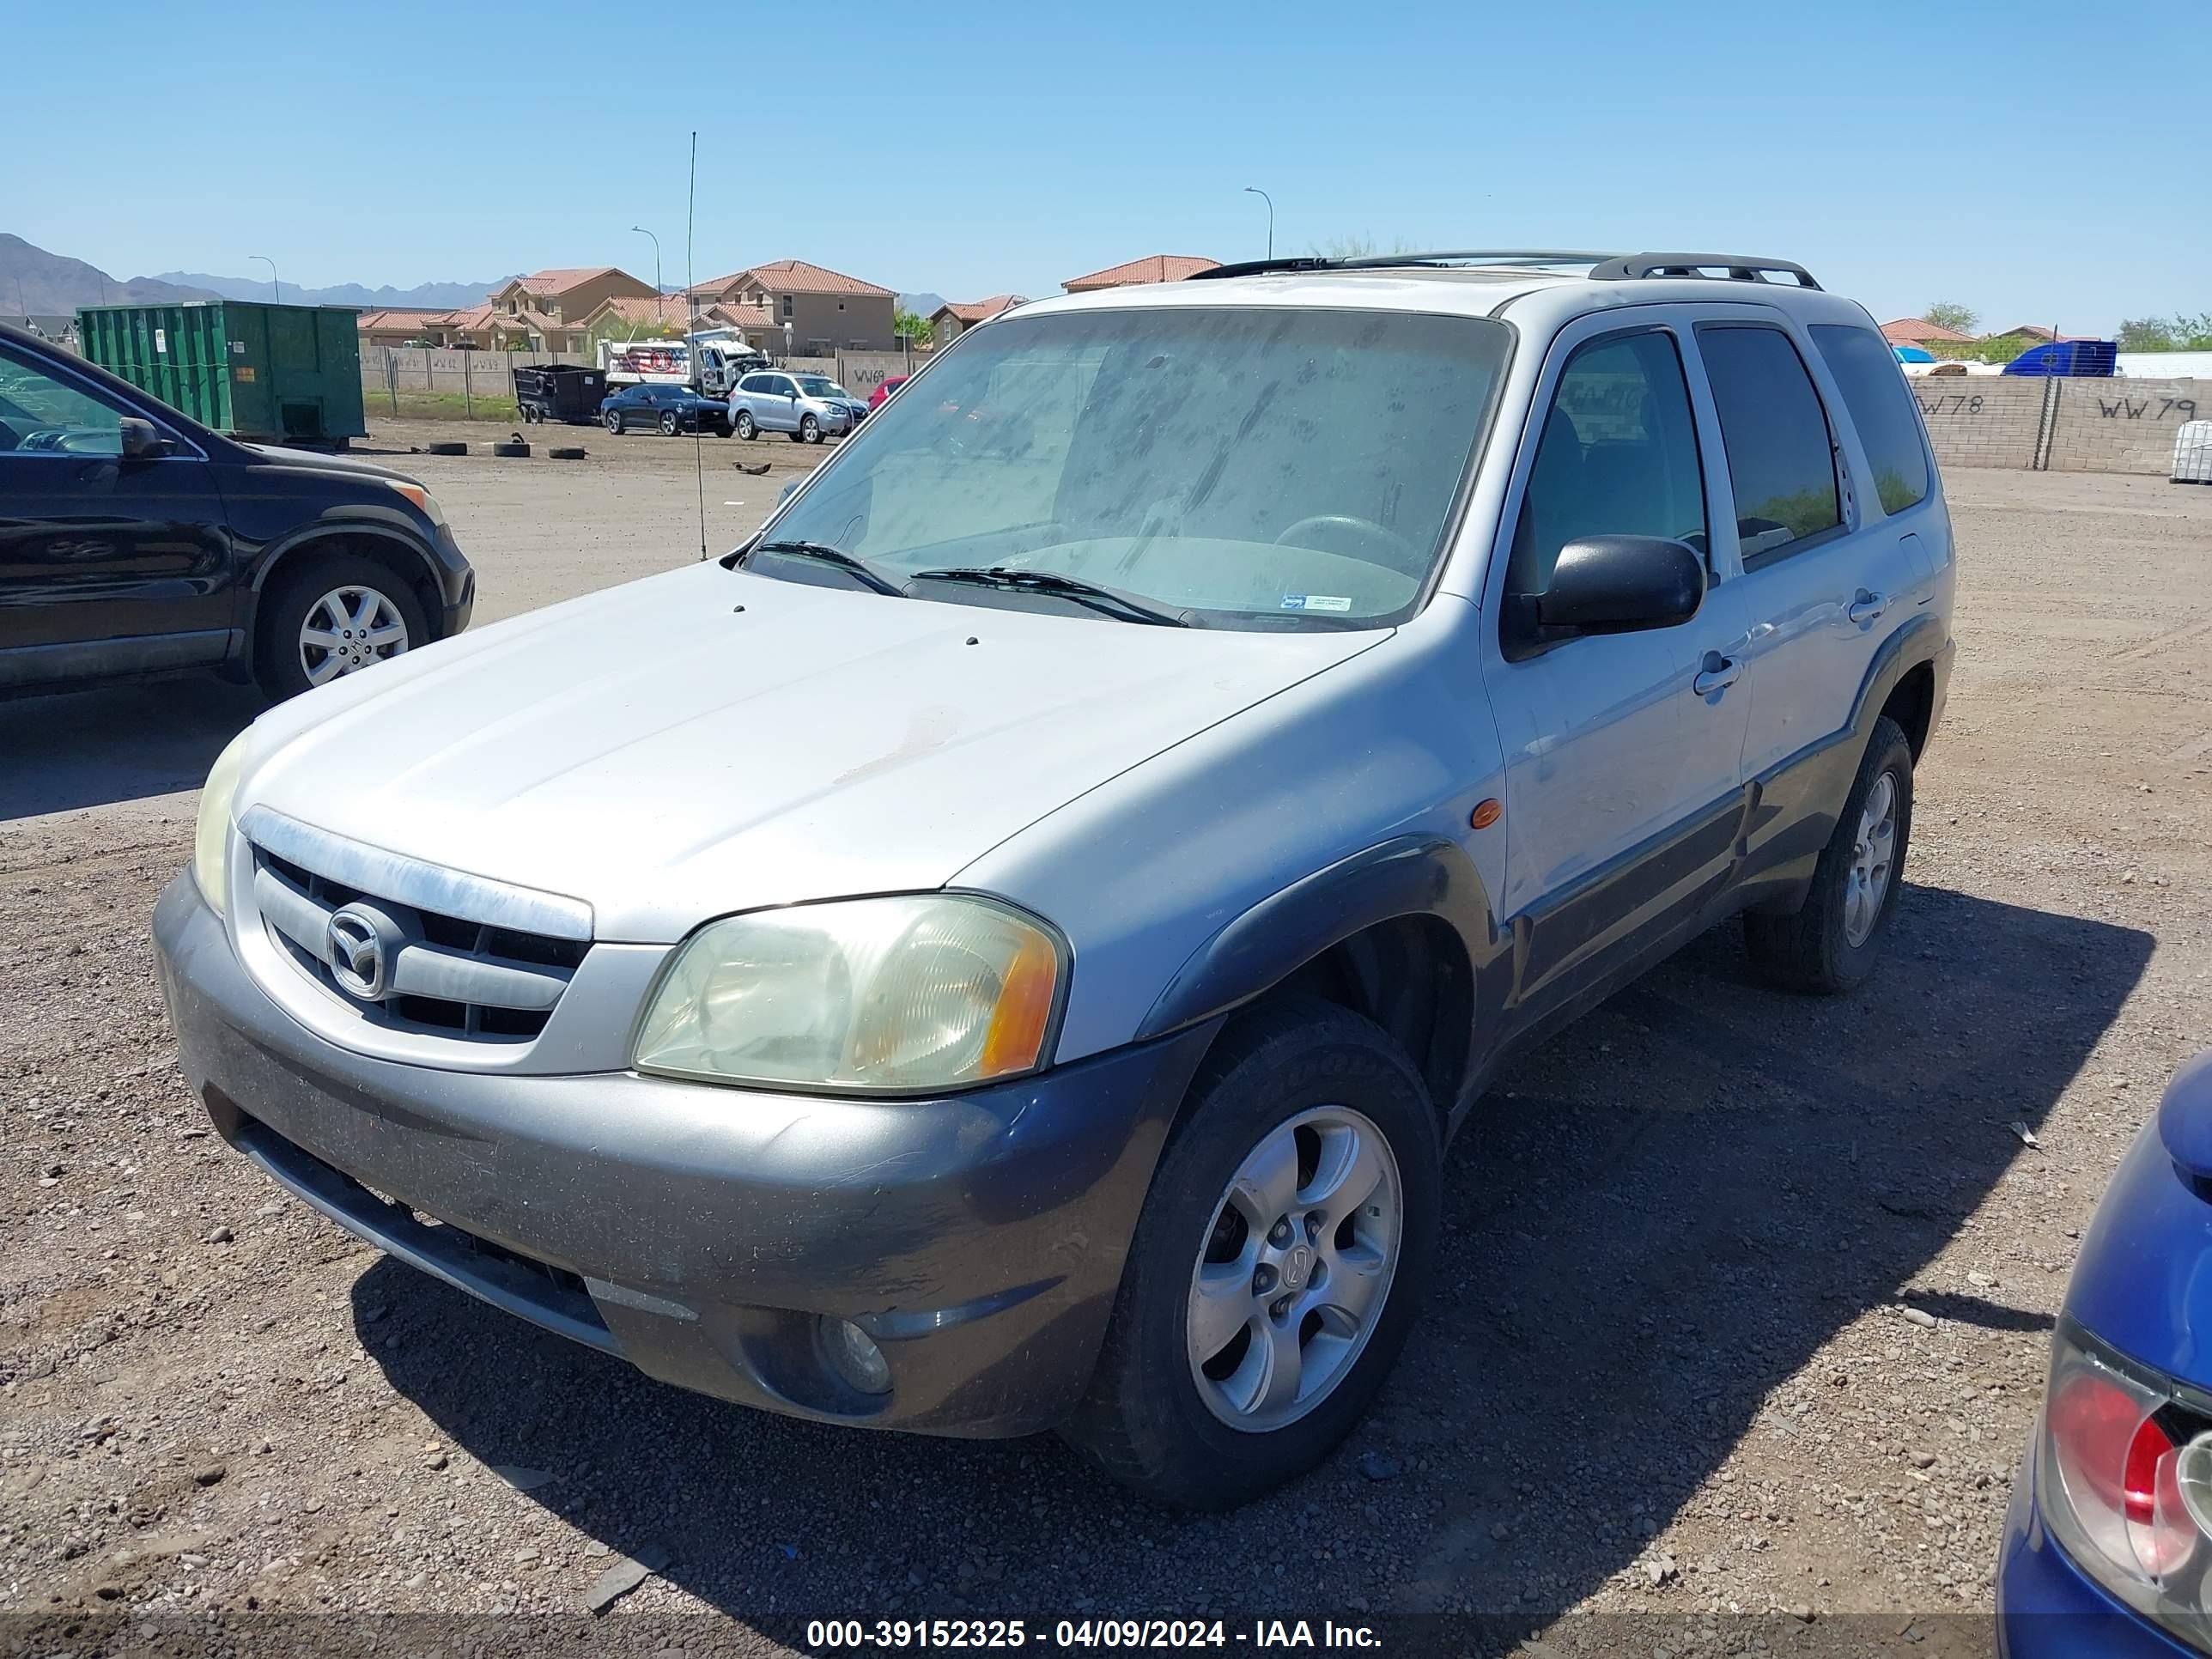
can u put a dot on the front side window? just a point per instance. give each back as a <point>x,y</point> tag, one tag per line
<point>43,414</point>
<point>1866,373</point>
<point>1258,466</point>
<point>1617,456</point>
<point>1781,457</point>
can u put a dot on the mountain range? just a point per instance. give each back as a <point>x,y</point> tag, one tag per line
<point>35,282</point>
<point>441,296</point>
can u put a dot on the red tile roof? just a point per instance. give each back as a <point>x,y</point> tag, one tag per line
<point>1918,331</point>
<point>394,318</point>
<point>671,308</point>
<point>793,276</point>
<point>976,311</point>
<point>1154,268</point>
<point>560,278</point>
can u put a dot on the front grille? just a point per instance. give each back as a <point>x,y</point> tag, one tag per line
<point>446,975</point>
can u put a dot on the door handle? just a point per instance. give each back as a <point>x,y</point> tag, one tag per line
<point>1721,675</point>
<point>1867,607</point>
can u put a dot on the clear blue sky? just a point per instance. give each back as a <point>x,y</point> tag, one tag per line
<point>1907,153</point>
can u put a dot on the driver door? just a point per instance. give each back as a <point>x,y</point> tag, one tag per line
<point>107,564</point>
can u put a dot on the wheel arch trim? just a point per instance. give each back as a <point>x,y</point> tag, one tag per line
<point>1407,877</point>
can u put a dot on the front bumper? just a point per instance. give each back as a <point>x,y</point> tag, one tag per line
<point>699,1231</point>
<point>2049,1608</point>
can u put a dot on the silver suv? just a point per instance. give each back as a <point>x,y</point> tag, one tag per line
<point>1007,947</point>
<point>806,407</point>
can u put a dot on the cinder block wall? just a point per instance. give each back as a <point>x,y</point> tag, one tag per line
<point>2124,425</point>
<point>1981,420</point>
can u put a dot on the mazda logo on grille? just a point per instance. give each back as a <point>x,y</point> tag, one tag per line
<point>361,956</point>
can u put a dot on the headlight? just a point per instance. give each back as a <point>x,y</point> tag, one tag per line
<point>422,498</point>
<point>211,836</point>
<point>880,995</point>
<point>2124,1479</point>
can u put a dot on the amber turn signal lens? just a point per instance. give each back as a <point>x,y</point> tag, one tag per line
<point>1015,1041</point>
<point>1488,813</point>
<point>416,494</point>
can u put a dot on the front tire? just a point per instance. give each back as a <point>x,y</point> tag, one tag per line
<point>1832,942</point>
<point>1277,1265</point>
<point>670,423</point>
<point>809,429</point>
<point>328,615</point>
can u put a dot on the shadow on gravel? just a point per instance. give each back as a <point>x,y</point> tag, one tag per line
<point>81,748</point>
<point>1657,1219</point>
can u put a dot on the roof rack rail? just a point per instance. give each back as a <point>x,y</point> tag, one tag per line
<point>1736,267</point>
<point>1533,258</point>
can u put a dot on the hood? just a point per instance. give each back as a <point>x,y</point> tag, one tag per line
<point>316,461</point>
<point>710,740</point>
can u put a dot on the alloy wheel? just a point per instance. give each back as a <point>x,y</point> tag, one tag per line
<point>1295,1267</point>
<point>347,630</point>
<point>1866,882</point>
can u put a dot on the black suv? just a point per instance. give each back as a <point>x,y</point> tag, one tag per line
<point>135,541</point>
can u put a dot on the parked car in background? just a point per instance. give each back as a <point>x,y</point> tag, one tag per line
<point>2111,1522</point>
<point>704,955</point>
<point>135,541</point>
<point>773,400</point>
<point>823,389</point>
<point>890,383</point>
<point>671,409</point>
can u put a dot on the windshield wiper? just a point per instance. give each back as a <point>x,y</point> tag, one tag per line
<point>822,553</point>
<point>1112,601</point>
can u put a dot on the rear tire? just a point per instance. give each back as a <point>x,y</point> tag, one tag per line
<point>613,422</point>
<point>1832,942</point>
<point>746,430</point>
<point>299,591</point>
<point>1211,1432</point>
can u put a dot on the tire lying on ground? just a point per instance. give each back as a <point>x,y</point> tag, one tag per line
<point>447,449</point>
<point>567,452</point>
<point>514,450</point>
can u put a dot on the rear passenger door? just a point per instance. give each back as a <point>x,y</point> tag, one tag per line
<point>1623,752</point>
<point>1826,580</point>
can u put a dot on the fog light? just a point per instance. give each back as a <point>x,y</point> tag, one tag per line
<point>854,1355</point>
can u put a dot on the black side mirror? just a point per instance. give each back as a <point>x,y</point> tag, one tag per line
<point>1621,585</point>
<point>141,440</point>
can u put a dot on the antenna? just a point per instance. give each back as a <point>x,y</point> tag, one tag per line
<point>691,346</point>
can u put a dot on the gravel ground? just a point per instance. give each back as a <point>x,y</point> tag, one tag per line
<point>1742,1309</point>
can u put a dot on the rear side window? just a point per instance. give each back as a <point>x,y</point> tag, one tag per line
<point>1617,456</point>
<point>1781,457</point>
<point>1866,372</point>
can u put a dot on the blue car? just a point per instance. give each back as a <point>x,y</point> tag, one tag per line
<point>2108,1543</point>
<point>673,408</point>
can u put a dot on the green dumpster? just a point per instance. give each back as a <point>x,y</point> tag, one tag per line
<point>269,373</point>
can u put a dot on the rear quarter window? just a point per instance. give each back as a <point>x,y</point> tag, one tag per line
<point>1866,372</point>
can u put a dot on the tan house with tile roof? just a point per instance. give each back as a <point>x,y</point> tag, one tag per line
<point>825,311</point>
<point>955,317</point>
<point>1153,268</point>
<point>396,326</point>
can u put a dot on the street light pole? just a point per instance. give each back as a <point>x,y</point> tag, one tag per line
<point>1254,189</point>
<point>658,314</point>
<point>277,286</point>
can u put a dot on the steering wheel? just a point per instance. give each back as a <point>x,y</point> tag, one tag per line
<point>1378,538</point>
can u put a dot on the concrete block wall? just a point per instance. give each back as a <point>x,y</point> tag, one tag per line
<point>2119,425</point>
<point>2122,425</point>
<point>1981,420</point>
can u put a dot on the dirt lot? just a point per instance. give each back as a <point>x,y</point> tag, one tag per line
<point>1668,1369</point>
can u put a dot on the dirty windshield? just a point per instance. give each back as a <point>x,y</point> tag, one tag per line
<point>1254,466</point>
